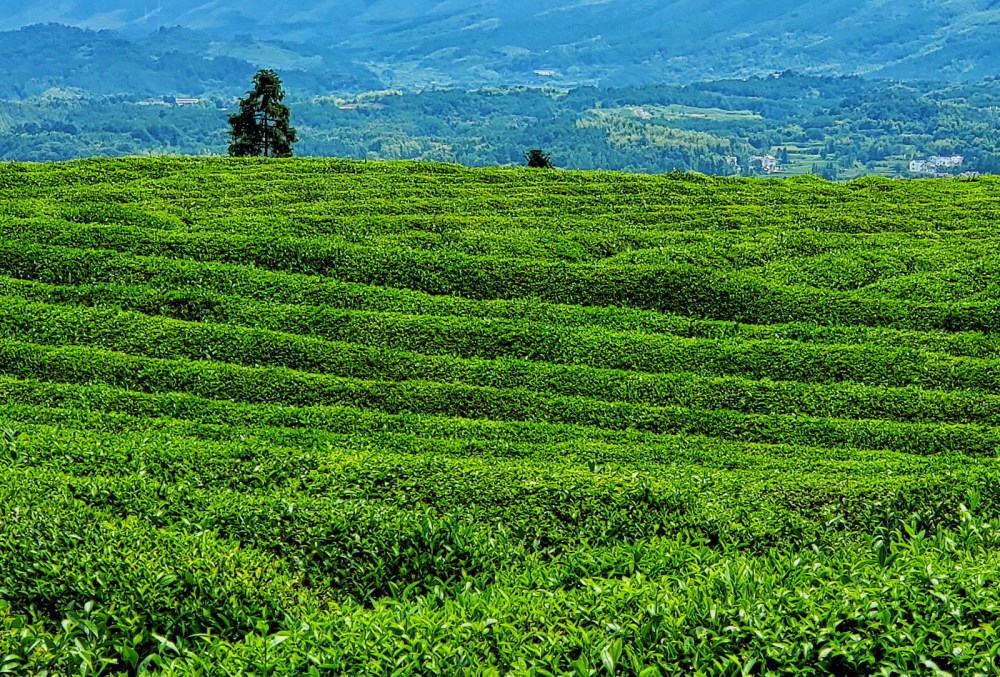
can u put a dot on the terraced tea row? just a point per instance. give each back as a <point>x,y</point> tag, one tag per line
<point>323,321</point>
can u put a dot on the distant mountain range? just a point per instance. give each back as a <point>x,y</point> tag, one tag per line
<point>422,43</point>
<point>169,62</point>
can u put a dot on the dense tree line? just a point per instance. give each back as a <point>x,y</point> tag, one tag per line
<point>836,127</point>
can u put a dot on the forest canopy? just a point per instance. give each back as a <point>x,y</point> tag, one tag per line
<point>837,127</point>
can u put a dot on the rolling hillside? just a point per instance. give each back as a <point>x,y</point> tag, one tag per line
<point>566,42</point>
<point>329,417</point>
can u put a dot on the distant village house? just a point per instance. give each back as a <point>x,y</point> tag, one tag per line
<point>945,160</point>
<point>934,163</point>
<point>768,164</point>
<point>765,163</point>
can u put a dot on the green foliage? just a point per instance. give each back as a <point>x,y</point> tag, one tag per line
<point>330,417</point>
<point>261,126</point>
<point>838,128</point>
<point>418,49</point>
<point>539,159</point>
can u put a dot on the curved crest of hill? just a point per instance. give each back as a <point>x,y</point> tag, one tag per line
<point>315,416</point>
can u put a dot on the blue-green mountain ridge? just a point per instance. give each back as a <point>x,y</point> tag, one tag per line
<point>571,42</point>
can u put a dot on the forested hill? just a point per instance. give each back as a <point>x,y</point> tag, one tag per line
<point>567,42</point>
<point>836,127</point>
<point>39,58</point>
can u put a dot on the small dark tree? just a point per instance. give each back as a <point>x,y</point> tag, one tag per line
<point>261,127</point>
<point>536,158</point>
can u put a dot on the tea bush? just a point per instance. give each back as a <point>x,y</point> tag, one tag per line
<point>321,417</point>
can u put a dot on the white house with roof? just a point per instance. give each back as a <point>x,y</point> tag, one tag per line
<point>765,163</point>
<point>932,164</point>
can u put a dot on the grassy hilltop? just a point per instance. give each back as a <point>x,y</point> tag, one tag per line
<point>329,417</point>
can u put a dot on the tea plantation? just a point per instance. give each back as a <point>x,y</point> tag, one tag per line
<point>320,417</point>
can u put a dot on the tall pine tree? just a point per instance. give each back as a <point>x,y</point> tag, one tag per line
<point>261,127</point>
